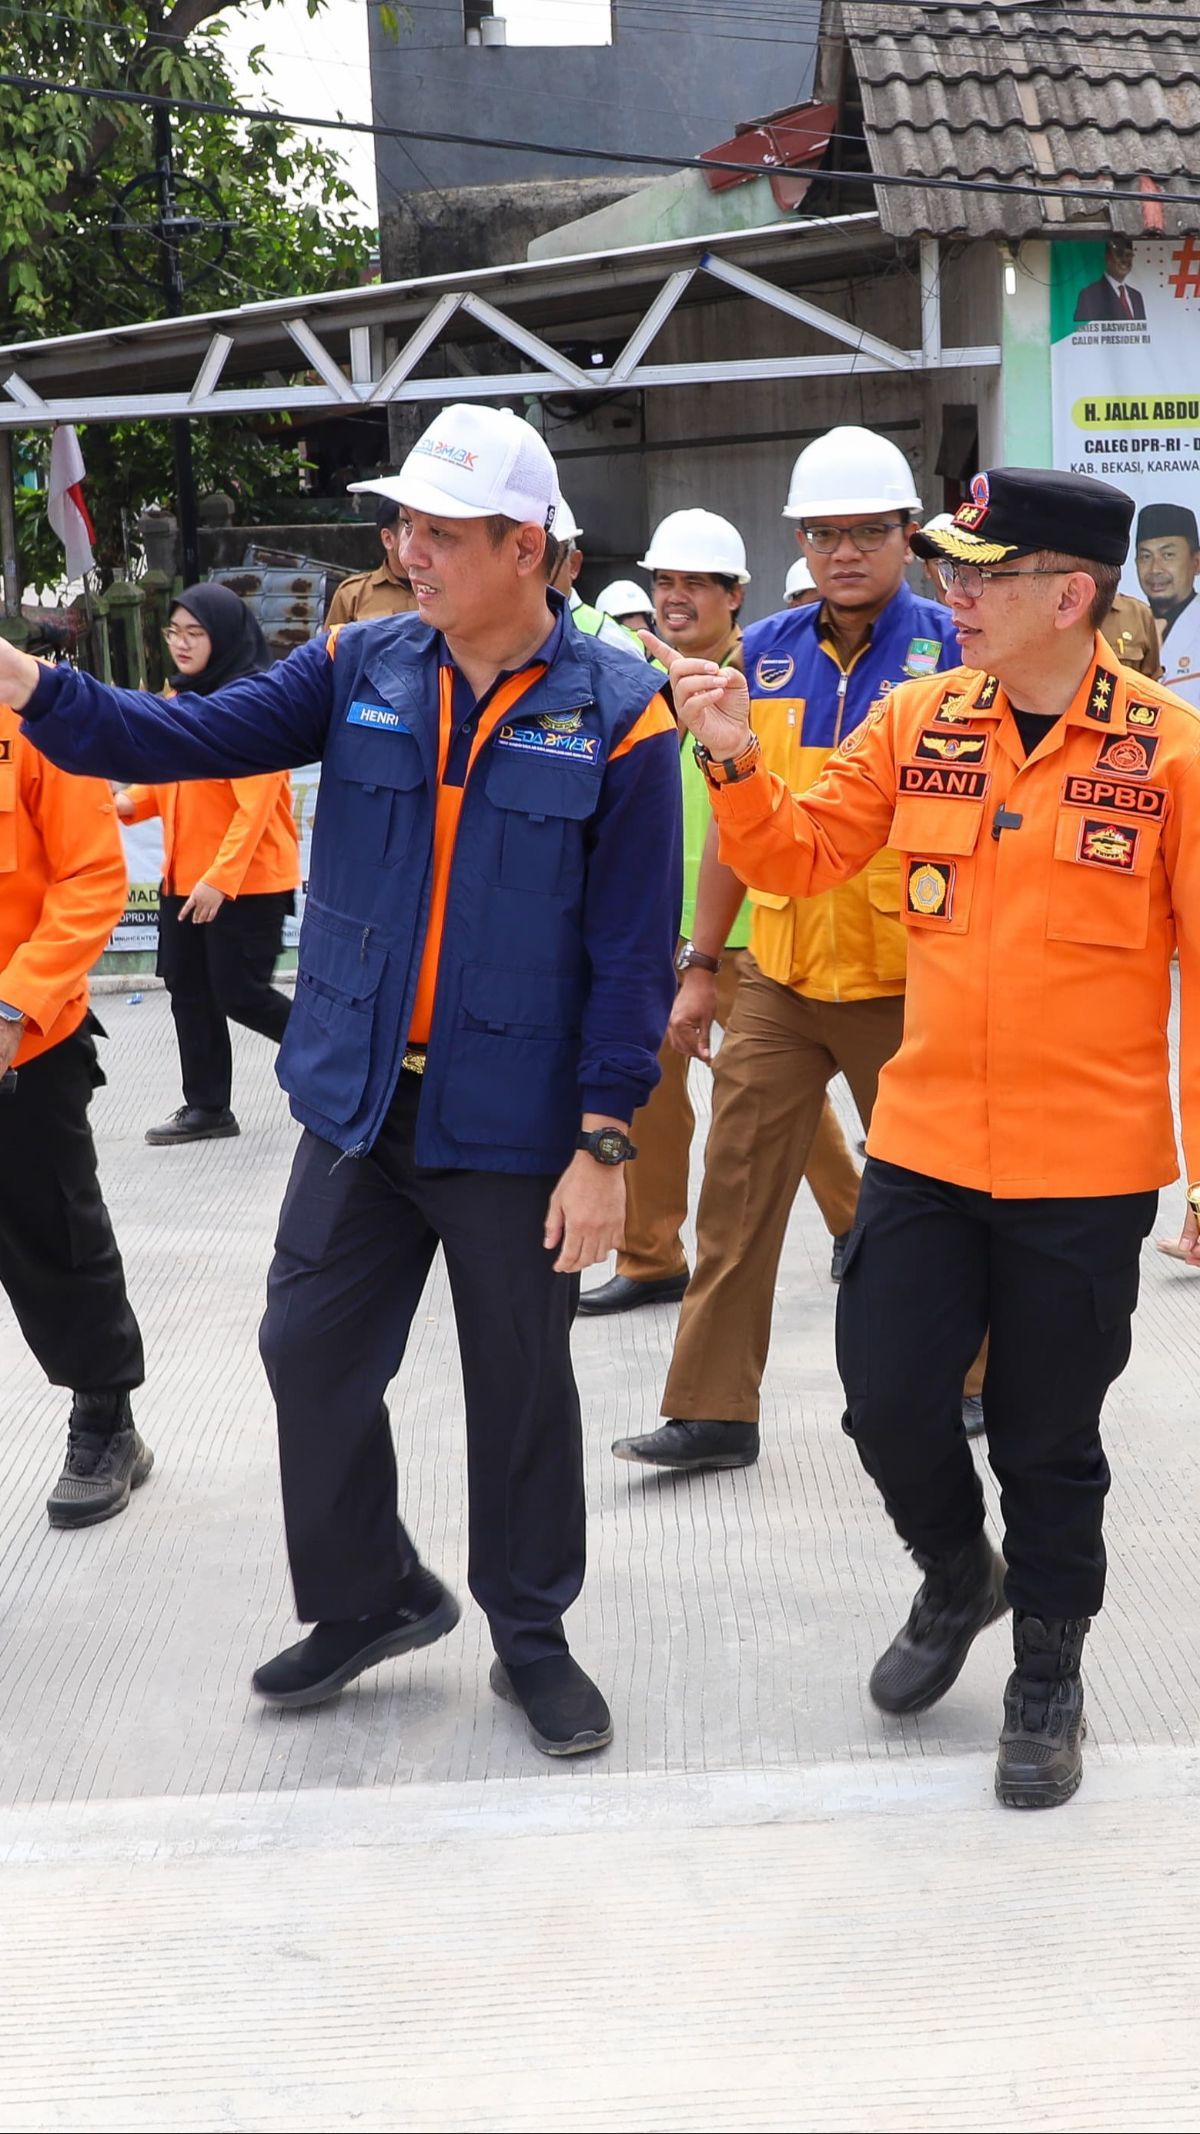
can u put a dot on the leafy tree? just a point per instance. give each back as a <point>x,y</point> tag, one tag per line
<point>66,163</point>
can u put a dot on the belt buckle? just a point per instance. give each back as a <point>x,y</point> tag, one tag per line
<point>413,1062</point>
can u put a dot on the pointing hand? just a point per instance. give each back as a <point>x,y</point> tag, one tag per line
<point>712,702</point>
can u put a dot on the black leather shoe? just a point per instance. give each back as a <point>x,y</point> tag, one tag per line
<point>692,1447</point>
<point>564,1711</point>
<point>1040,1762</point>
<point>623,1294</point>
<point>189,1123</point>
<point>839,1255</point>
<point>958,1597</point>
<point>334,1653</point>
<point>100,1470</point>
<point>972,1415</point>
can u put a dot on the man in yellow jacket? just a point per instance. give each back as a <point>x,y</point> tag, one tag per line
<point>62,890</point>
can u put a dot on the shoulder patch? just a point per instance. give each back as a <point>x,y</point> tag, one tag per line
<point>773,670</point>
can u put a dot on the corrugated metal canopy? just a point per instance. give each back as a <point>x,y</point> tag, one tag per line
<point>1037,94</point>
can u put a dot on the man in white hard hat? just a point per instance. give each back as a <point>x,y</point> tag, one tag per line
<point>627,603</point>
<point>823,987</point>
<point>485,976</point>
<point>698,562</point>
<point>799,587</point>
<point>566,566</point>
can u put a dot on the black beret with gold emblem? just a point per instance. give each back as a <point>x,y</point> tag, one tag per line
<point>1015,511</point>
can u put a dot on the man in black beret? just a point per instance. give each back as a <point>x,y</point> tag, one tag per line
<point>1044,804</point>
<point>1167,552</point>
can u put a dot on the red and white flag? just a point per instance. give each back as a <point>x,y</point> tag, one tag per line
<point>67,512</point>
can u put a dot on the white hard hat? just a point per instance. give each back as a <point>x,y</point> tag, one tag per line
<point>476,463</point>
<point>623,597</point>
<point>799,580</point>
<point>850,469</point>
<point>697,541</point>
<point>565,526</point>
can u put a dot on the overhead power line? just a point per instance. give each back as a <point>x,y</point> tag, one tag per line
<point>1002,187</point>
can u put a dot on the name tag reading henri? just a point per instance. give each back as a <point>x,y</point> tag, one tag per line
<point>380,715</point>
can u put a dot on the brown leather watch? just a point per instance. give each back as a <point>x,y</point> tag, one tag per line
<point>689,958</point>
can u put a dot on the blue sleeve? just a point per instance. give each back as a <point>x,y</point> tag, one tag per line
<point>268,722</point>
<point>632,906</point>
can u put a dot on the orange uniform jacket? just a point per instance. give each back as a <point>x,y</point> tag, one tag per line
<point>239,834</point>
<point>1034,1058</point>
<point>62,887</point>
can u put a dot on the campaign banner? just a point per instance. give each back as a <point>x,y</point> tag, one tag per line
<point>1125,383</point>
<point>138,926</point>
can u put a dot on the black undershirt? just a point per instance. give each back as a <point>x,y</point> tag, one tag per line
<point>1033,726</point>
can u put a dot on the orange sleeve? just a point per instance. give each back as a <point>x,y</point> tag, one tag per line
<point>797,847</point>
<point>146,802</point>
<point>76,821</point>
<point>255,802</point>
<point>1181,852</point>
<point>656,719</point>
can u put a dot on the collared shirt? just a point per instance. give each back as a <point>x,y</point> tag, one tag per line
<point>1129,627</point>
<point>1042,897</point>
<point>369,596</point>
<point>466,722</point>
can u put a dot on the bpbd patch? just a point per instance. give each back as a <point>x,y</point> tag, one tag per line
<point>929,888</point>
<point>1148,801</point>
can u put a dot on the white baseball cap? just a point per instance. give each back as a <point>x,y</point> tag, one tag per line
<point>476,463</point>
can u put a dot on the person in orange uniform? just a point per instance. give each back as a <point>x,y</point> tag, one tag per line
<point>385,591</point>
<point>62,890</point>
<point>1045,802</point>
<point>231,869</point>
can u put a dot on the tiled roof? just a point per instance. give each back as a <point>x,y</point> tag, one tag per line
<point>1041,95</point>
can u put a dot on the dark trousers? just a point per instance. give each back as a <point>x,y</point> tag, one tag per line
<point>59,1263</point>
<point>356,1241</point>
<point>217,974</point>
<point>928,1268</point>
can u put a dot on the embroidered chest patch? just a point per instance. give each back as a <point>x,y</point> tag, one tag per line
<point>1108,844</point>
<point>1127,754</point>
<point>929,888</point>
<point>541,740</point>
<point>952,748</point>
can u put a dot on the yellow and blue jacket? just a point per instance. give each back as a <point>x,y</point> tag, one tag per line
<point>847,943</point>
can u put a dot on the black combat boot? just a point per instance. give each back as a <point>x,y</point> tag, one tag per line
<point>1041,1743</point>
<point>959,1596</point>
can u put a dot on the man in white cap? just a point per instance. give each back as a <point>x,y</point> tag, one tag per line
<point>823,987</point>
<point>485,975</point>
<point>698,563</point>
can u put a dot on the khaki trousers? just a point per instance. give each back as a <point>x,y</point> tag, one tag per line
<point>769,1083</point>
<point>656,1188</point>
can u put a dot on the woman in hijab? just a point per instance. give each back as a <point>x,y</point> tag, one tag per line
<point>230,871</point>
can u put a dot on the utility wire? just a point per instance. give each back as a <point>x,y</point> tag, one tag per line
<point>1006,187</point>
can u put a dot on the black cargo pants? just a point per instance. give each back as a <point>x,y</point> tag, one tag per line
<point>929,1268</point>
<point>356,1241</point>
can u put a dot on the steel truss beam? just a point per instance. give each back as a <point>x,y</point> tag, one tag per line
<point>372,383</point>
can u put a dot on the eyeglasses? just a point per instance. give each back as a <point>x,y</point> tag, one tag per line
<point>823,540</point>
<point>971,580</point>
<point>184,637</point>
